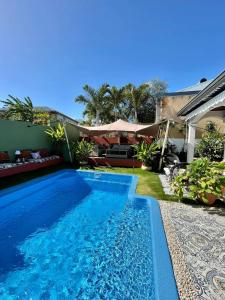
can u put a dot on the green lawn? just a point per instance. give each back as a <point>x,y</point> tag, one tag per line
<point>148,182</point>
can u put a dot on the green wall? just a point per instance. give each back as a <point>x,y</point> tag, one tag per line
<point>23,135</point>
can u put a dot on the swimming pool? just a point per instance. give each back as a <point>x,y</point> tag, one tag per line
<point>82,235</point>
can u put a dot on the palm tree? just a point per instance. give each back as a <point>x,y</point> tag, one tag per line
<point>137,98</point>
<point>117,98</point>
<point>18,109</point>
<point>157,90</point>
<point>96,101</point>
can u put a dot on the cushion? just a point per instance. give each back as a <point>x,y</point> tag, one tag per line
<point>26,154</point>
<point>44,152</point>
<point>4,156</point>
<point>35,155</point>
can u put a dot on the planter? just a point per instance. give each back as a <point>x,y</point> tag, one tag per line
<point>211,198</point>
<point>146,168</point>
<point>83,163</point>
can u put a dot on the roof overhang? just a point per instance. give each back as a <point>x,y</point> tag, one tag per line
<point>208,93</point>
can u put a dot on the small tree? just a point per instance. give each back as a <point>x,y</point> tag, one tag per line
<point>82,150</point>
<point>212,143</point>
<point>157,89</point>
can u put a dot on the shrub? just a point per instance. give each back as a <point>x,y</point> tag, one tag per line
<point>146,152</point>
<point>82,150</point>
<point>201,178</point>
<point>211,144</point>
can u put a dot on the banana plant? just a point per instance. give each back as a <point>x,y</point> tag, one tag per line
<point>57,133</point>
<point>146,152</point>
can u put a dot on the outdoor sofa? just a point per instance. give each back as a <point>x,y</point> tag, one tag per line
<point>27,163</point>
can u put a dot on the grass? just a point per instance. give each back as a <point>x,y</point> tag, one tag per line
<point>148,182</point>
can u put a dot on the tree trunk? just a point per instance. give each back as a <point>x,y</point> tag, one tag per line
<point>157,111</point>
<point>97,118</point>
<point>135,116</point>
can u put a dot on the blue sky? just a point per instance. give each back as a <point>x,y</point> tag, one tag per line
<point>51,48</point>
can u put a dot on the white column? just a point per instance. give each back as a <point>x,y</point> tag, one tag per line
<point>191,142</point>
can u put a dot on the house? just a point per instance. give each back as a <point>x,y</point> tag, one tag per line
<point>208,104</point>
<point>173,102</point>
<point>55,115</point>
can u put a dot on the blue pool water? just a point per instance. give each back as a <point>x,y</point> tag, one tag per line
<point>82,235</point>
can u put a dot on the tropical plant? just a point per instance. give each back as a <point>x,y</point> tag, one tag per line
<point>56,133</point>
<point>212,143</point>
<point>82,150</point>
<point>117,99</point>
<point>17,109</point>
<point>137,97</point>
<point>202,179</point>
<point>157,89</point>
<point>146,152</point>
<point>96,102</point>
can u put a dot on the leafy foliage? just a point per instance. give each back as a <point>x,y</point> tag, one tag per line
<point>212,143</point>
<point>56,133</point>
<point>82,150</point>
<point>137,97</point>
<point>17,109</point>
<point>96,101</point>
<point>146,152</point>
<point>41,117</point>
<point>202,177</point>
<point>134,103</point>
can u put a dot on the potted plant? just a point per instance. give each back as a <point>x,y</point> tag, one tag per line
<point>203,181</point>
<point>82,150</point>
<point>146,153</point>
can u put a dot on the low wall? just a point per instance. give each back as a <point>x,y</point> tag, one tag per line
<point>24,135</point>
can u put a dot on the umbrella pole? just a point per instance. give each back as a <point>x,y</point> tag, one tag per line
<point>67,142</point>
<point>164,144</point>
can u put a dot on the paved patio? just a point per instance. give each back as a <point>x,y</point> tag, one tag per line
<point>196,237</point>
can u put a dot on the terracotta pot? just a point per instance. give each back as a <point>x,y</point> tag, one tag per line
<point>223,191</point>
<point>211,198</point>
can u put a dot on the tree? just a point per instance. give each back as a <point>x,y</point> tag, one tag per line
<point>96,101</point>
<point>212,143</point>
<point>117,99</point>
<point>138,97</point>
<point>17,109</point>
<point>157,89</point>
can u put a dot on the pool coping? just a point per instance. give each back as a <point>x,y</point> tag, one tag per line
<point>185,284</point>
<point>165,289</point>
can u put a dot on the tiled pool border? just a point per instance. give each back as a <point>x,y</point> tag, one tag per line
<point>185,285</point>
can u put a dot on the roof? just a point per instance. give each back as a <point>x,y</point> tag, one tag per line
<point>196,87</point>
<point>211,90</point>
<point>120,126</point>
<point>51,110</point>
<point>191,90</point>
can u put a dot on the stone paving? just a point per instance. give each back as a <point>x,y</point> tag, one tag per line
<point>196,237</point>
